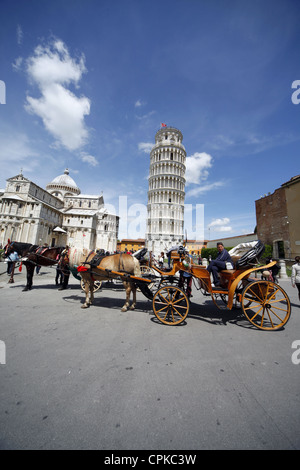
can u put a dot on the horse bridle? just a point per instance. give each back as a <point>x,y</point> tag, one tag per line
<point>8,246</point>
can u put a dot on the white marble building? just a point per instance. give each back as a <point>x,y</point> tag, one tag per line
<point>59,215</point>
<point>165,222</point>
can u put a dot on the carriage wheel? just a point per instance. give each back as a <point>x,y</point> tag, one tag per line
<point>97,285</point>
<point>170,305</point>
<point>266,305</point>
<point>237,296</point>
<point>163,282</point>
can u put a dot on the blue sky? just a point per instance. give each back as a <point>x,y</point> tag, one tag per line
<point>88,84</point>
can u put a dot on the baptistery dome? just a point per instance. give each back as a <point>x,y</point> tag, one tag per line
<point>63,185</point>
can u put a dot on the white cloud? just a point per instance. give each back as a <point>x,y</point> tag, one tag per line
<point>218,222</point>
<point>197,166</point>
<point>19,35</point>
<point>146,116</point>
<point>225,229</point>
<point>53,64</point>
<point>16,152</point>
<point>145,146</point>
<point>17,64</point>
<point>138,104</point>
<point>62,112</point>
<point>15,148</point>
<point>92,161</point>
<point>204,188</point>
<point>221,225</point>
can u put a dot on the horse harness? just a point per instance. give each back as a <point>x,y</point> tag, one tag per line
<point>96,260</point>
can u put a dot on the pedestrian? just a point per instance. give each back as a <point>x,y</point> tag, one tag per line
<point>272,273</point>
<point>295,278</point>
<point>58,277</point>
<point>161,260</point>
<point>64,265</point>
<point>11,262</point>
<point>186,276</point>
<point>178,248</point>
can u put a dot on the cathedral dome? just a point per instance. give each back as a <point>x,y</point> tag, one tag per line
<point>63,185</point>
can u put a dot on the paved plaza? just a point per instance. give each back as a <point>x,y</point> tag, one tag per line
<point>100,378</point>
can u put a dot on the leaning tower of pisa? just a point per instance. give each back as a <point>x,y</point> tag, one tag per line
<point>165,221</point>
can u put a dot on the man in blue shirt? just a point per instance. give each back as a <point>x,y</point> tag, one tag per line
<point>219,263</point>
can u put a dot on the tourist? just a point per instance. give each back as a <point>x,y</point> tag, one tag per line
<point>12,258</point>
<point>296,275</point>
<point>64,266</point>
<point>161,260</point>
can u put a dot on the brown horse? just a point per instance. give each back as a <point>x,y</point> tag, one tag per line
<point>32,256</point>
<point>93,267</point>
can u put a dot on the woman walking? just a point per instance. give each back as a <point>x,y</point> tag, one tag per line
<point>296,275</point>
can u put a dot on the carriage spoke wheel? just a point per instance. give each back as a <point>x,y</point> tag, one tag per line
<point>237,296</point>
<point>170,305</point>
<point>266,305</point>
<point>97,285</point>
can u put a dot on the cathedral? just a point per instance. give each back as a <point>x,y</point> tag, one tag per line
<point>58,215</point>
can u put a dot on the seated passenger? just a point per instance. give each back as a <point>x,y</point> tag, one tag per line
<point>219,263</point>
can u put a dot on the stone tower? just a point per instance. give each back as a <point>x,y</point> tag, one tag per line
<point>165,222</point>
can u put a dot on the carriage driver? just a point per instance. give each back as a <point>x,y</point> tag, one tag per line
<point>219,263</point>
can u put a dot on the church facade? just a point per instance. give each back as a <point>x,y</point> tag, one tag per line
<point>57,215</point>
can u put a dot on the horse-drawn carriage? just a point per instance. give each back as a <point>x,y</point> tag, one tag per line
<point>264,303</point>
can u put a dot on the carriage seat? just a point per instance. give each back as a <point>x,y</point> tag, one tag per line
<point>228,271</point>
<point>243,257</point>
<point>140,254</point>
